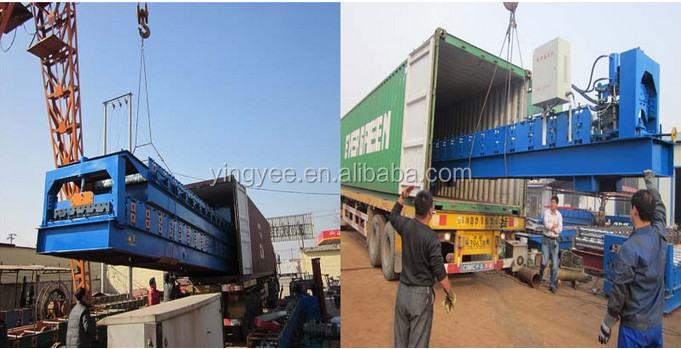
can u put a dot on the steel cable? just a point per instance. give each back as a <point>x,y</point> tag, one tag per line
<point>484,103</point>
<point>10,44</point>
<point>143,68</point>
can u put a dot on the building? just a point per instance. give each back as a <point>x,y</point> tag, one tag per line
<point>329,256</point>
<point>327,237</point>
<point>116,277</point>
<point>11,282</point>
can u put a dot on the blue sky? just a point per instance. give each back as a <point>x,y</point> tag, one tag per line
<point>250,85</point>
<point>591,28</point>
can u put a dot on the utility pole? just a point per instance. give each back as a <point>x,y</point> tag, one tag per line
<point>127,99</point>
<point>11,237</point>
<point>302,235</point>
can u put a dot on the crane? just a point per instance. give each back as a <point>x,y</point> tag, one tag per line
<point>57,48</point>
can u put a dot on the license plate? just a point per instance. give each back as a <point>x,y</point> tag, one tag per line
<point>472,267</point>
<point>477,243</point>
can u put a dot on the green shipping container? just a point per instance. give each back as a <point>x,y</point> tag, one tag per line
<point>436,93</point>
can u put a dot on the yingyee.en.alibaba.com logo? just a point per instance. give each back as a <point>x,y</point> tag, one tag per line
<point>363,173</point>
<point>371,137</point>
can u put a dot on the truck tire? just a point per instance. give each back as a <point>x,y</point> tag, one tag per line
<point>388,254</point>
<point>253,308</point>
<point>272,293</point>
<point>374,238</point>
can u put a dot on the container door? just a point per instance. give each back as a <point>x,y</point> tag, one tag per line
<point>244,230</point>
<point>417,110</point>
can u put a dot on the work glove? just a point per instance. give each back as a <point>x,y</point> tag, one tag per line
<point>649,178</point>
<point>604,336</point>
<point>450,300</point>
<point>606,328</point>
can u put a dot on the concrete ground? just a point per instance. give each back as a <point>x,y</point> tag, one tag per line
<point>493,309</point>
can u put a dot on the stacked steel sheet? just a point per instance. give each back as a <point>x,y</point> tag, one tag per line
<point>591,237</point>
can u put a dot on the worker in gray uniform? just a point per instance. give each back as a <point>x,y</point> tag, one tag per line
<point>422,265</point>
<point>80,330</point>
<point>637,295</point>
<point>169,287</point>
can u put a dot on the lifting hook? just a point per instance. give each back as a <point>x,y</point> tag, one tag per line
<point>142,19</point>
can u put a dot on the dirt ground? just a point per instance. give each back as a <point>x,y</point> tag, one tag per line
<point>493,309</point>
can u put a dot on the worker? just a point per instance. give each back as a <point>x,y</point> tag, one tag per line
<point>637,295</point>
<point>154,295</point>
<point>80,330</point>
<point>422,264</point>
<point>599,220</point>
<point>553,222</point>
<point>170,290</point>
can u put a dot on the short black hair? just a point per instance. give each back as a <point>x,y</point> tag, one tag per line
<point>80,293</point>
<point>555,198</point>
<point>645,204</point>
<point>152,281</point>
<point>423,203</point>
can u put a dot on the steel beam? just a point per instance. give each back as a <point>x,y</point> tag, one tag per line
<point>594,167</point>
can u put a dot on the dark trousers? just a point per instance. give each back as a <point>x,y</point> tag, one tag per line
<point>413,316</point>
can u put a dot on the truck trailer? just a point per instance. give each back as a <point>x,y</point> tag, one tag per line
<point>436,93</point>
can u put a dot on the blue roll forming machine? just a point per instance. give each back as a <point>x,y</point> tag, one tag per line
<point>132,213</point>
<point>594,146</point>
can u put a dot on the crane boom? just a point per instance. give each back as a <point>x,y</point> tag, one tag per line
<point>57,49</point>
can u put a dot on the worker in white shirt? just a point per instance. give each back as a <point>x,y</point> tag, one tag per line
<point>553,222</point>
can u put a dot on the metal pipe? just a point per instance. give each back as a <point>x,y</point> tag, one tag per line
<point>117,97</point>
<point>102,267</point>
<point>569,118</point>
<point>15,291</point>
<point>544,120</point>
<point>129,282</point>
<point>36,291</point>
<point>130,122</point>
<point>102,273</point>
<point>104,128</point>
<point>530,277</point>
<point>570,274</point>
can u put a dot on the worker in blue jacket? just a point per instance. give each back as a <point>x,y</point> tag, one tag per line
<point>637,295</point>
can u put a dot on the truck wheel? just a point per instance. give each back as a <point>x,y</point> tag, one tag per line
<point>388,254</point>
<point>272,293</point>
<point>374,238</point>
